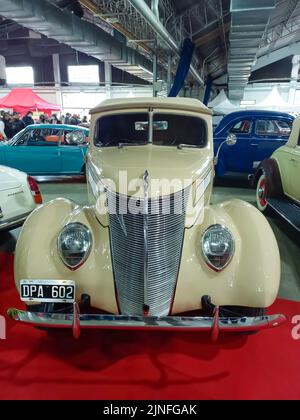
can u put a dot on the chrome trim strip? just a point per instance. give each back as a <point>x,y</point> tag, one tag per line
<point>15,222</point>
<point>68,178</point>
<point>55,320</point>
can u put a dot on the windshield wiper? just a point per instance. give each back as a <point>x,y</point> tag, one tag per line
<point>187,146</point>
<point>121,145</point>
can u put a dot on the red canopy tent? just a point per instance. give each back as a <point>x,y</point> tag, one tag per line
<point>24,100</point>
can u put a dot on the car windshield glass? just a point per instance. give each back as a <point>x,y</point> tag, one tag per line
<point>16,137</point>
<point>133,129</point>
<point>115,130</point>
<point>176,130</point>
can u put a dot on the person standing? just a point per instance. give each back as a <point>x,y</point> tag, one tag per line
<point>68,118</point>
<point>17,124</point>
<point>7,125</point>
<point>74,120</point>
<point>28,119</point>
<point>3,136</point>
<point>42,119</point>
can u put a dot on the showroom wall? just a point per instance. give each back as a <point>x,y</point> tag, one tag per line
<point>81,100</point>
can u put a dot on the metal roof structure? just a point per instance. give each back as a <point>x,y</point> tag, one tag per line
<point>232,37</point>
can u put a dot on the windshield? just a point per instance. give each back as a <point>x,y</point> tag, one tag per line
<point>134,129</point>
<point>16,137</point>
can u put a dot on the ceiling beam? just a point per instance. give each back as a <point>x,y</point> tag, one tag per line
<point>274,56</point>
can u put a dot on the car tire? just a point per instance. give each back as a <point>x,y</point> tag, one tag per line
<point>261,193</point>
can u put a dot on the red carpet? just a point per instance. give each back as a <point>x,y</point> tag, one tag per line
<point>131,365</point>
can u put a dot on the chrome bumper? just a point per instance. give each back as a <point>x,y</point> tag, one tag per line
<point>215,325</point>
<point>15,222</point>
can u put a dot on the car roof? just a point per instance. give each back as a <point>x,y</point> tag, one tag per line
<point>185,104</point>
<point>258,112</point>
<point>58,126</point>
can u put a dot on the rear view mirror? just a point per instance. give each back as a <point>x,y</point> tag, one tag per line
<point>76,137</point>
<point>231,140</point>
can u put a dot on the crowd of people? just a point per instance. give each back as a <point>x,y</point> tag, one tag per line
<point>12,123</point>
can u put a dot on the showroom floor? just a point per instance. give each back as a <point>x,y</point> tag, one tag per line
<point>288,242</point>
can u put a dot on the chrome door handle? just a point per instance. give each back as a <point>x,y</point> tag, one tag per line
<point>254,144</point>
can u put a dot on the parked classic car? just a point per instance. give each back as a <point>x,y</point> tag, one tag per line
<point>258,133</point>
<point>19,196</point>
<point>150,251</point>
<point>277,180</point>
<point>47,150</point>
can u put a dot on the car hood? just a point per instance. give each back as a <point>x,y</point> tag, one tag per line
<point>123,166</point>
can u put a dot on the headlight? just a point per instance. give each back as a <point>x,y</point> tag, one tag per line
<point>74,245</point>
<point>218,247</point>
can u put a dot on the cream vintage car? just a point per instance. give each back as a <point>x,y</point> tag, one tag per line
<point>149,251</point>
<point>277,180</point>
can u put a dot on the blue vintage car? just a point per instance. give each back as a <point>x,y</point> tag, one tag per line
<point>258,134</point>
<point>47,149</point>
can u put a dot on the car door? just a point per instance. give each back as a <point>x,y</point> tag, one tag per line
<point>32,153</point>
<point>270,133</point>
<point>72,156</point>
<point>239,158</point>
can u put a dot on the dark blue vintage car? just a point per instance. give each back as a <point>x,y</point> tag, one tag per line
<point>258,134</point>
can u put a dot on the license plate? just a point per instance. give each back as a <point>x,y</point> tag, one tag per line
<point>47,291</point>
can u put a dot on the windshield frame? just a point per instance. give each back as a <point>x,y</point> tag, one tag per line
<point>151,114</point>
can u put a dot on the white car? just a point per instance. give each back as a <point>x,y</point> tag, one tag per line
<point>19,196</point>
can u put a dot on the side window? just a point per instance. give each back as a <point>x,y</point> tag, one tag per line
<point>285,127</point>
<point>44,137</point>
<point>63,137</point>
<point>241,127</point>
<point>52,136</point>
<point>273,128</point>
<point>23,140</point>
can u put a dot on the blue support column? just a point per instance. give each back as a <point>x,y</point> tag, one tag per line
<point>207,91</point>
<point>183,67</point>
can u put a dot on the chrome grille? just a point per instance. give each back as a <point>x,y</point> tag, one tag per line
<point>165,237</point>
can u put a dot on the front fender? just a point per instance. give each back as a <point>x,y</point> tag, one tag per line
<point>37,256</point>
<point>270,168</point>
<point>251,279</point>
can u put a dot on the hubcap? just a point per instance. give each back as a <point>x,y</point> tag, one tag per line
<point>262,193</point>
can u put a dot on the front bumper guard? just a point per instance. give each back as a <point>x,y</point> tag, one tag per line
<point>215,325</point>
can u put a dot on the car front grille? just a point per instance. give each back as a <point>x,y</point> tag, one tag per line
<point>163,251</point>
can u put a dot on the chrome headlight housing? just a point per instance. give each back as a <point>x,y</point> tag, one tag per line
<point>74,245</point>
<point>218,247</point>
